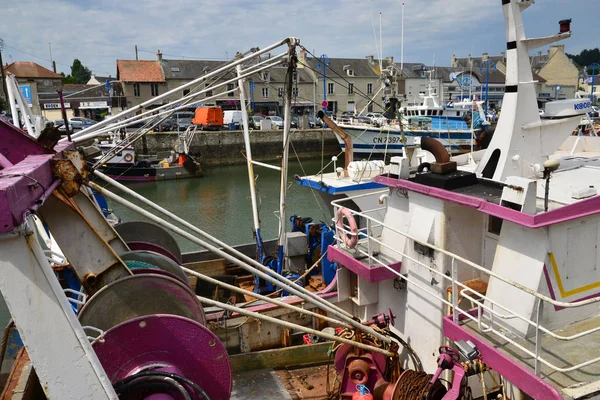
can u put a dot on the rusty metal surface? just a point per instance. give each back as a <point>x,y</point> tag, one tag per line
<point>309,382</point>
<point>49,137</point>
<point>78,161</point>
<point>69,175</point>
<point>22,383</point>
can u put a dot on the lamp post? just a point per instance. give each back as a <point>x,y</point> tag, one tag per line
<point>487,64</point>
<point>593,66</point>
<point>323,64</point>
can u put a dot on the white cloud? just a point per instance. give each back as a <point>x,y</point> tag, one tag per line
<point>100,31</point>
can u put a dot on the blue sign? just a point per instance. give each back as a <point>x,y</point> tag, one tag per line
<point>26,92</point>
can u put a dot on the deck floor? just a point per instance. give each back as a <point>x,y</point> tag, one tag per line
<point>561,353</point>
<point>292,383</point>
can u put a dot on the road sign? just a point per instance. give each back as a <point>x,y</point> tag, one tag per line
<point>26,92</point>
<point>324,103</point>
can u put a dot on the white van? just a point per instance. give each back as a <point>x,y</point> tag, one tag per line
<point>232,116</point>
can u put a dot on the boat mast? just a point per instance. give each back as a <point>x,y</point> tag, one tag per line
<point>249,163</point>
<point>287,119</point>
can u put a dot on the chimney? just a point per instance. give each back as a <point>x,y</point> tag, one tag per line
<point>484,56</point>
<point>503,56</point>
<point>390,59</point>
<point>302,57</point>
<point>159,56</point>
<point>556,48</point>
<point>371,59</point>
<point>453,62</point>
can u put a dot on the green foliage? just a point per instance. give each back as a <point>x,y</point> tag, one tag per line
<point>79,73</point>
<point>586,57</point>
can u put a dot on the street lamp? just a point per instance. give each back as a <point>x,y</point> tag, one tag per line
<point>593,66</point>
<point>487,64</point>
<point>323,64</point>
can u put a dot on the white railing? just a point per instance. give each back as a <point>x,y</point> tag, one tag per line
<point>485,305</point>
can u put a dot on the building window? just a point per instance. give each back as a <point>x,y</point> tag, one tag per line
<point>351,106</point>
<point>369,88</point>
<point>280,92</point>
<point>265,92</point>
<point>186,92</point>
<point>209,93</point>
<point>351,88</point>
<point>154,89</point>
<point>370,107</point>
<point>230,86</point>
<point>136,89</point>
<point>330,88</point>
<point>295,77</point>
<point>409,89</point>
<point>295,92</point>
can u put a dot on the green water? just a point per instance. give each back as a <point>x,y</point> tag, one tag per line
<point>219,203</point>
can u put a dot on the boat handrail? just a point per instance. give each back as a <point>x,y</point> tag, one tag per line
<point>488,310</point>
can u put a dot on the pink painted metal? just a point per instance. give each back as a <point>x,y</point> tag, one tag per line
<point>371,274</point>
<point>175,344</point>
<point>152,247</point>
<point>510,369</point>
<point>566,213</point>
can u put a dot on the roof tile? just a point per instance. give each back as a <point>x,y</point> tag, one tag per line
<point>139,71</point>
<point>28,69</point>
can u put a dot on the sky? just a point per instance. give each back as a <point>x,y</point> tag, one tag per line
<point>98,32</point>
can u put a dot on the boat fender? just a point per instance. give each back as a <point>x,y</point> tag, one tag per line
<point>352,238</point>
<point>128,157</point>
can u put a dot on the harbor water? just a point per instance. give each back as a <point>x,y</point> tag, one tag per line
<point>219,203</point>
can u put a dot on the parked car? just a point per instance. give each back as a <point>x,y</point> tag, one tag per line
<point>168,125</point>
<point>314,122</point>
<point>377,119</point>
<point>276,121</point>
<point>183,120</point>
<point>73,126</point>
<point>232,117</point>
<point>254,121</point>
<point>595,113</point>
<point>295,122</point>
<point>208,118</point>
<point>82,122</point>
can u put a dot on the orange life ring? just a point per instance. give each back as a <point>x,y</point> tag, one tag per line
<point>352,238</point>
<point>128,157</point>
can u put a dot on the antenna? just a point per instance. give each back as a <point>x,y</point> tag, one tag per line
<point>380,47</point>
<point>402,42</point>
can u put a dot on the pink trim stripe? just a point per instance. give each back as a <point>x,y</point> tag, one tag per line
<point>371,274</point>
<point>566,213</point>
<point>514,372</point>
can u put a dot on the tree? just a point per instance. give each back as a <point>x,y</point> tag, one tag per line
<point>586,57</point>
<point>79,73</point>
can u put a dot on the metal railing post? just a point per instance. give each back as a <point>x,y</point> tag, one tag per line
<point>538,336</point>
<point>454,273</point>
<point>369,242</point>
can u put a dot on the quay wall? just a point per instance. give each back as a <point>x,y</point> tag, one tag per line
<point>214,148</point>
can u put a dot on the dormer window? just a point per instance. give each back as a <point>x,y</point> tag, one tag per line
<point>350,72</point>
<point>265,76</point>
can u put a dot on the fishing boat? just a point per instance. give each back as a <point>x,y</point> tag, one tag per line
<point>124,165</point>
<point>493,252</point>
